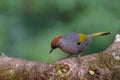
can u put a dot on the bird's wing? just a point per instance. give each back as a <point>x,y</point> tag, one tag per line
<point>82,37</point>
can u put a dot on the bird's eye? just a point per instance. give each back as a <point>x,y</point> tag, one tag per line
<point>78,43</point>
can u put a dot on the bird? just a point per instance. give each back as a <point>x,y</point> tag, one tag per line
<point>75,42</point>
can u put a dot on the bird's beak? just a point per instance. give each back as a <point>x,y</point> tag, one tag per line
<point>51,50</point>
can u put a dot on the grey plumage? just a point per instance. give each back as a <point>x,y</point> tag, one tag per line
<point>69,43</point>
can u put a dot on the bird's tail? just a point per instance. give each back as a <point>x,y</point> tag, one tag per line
<point>100,34</point>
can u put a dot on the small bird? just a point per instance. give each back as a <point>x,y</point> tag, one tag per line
<point>74,43</point>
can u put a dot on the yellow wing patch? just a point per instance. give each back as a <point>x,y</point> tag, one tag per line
<point>82,37</point>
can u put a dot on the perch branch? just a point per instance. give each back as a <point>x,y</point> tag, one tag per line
<point>100,66</point>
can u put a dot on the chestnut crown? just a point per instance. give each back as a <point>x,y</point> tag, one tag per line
<point>54,43</point>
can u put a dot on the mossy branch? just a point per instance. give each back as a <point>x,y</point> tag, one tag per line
<point>100,66</point>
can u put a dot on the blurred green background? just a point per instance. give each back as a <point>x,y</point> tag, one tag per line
<point>28,26</point>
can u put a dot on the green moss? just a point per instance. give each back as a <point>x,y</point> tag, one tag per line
<point>13,77</point>
<point>116,74</point>
<point>62,78</point>
<point>6,76</point>
<point>106,61</point>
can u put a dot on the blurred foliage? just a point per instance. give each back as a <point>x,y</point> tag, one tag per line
<point>28,26</point>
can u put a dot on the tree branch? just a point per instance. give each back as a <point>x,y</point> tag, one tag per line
<point>100,66</point>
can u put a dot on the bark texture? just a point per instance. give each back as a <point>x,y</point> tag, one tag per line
<point>100,66</point>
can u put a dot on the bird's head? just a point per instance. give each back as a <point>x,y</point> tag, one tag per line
<point>54,43</point>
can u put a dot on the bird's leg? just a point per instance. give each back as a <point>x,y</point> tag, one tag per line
<point>66,56</point>
<point>80,54</point>
<point>69,55</point>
